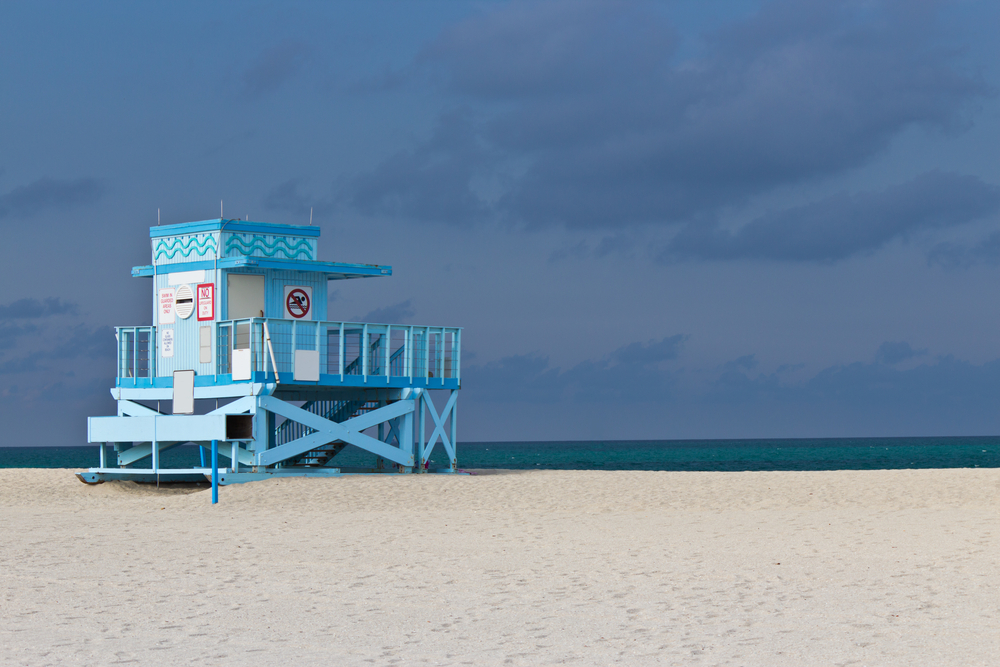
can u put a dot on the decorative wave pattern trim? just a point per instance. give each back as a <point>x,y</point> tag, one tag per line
<point>185,246</point>
<point>270,249</point>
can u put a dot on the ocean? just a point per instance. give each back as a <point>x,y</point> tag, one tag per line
<point>702,455</point>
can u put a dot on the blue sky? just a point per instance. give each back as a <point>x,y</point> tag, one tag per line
<point>654,220</point>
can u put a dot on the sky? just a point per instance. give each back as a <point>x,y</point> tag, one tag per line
<point>654,220</point>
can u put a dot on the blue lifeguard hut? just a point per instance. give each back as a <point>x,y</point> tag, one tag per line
<point>241,352</point>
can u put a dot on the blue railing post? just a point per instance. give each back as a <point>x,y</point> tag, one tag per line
<point>201,452</point>
<point>215,472</point>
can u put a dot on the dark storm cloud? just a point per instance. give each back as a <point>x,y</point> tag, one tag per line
<point>844,225</point>
<point>433,182</point>
<point>274,67</point>
<point>26,200</point>
<point>585,114</point>
<point>400,312</point>
<point>35,308</point>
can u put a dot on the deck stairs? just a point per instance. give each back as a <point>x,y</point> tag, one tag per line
<point>337,411</point>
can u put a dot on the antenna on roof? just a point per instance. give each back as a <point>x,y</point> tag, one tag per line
<point>221,215</point>
<point>310,216</point>
<point>157,217</point>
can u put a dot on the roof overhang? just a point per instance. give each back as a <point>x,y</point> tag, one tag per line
<point>333,270</point>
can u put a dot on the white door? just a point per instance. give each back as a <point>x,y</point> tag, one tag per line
<point>245,296</point>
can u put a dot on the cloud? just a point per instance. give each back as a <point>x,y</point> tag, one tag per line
<point>10,333</point>
<point>400,312</point>
<point>745,363</point>
<point>879,393</point>
<point>586,115</point>
<point>892,353</point>
<point>549,50</point>
<point>433,182</point>
<point>77,342</point>
<point>36,308</point>
<point>953,255</point>
<point>652,352</point>
<point>27,200</point>
<point>287,197</point>
<point>941,395</point>
<point>275,66</point>
<point>844,225</point>
<point>31,344</point>
<point>632,372</point>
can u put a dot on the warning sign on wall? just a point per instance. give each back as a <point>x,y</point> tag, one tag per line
<point>166,342</point>
<point>206,302</point>
<point>298,302</point>
<point>166,305</point>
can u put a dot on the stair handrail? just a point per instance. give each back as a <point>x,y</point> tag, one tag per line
<point>270,348</point>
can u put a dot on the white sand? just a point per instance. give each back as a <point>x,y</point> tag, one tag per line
<point>816,568</point>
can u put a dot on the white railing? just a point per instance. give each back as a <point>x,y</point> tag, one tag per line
<point>344,348</point>
<point>136,352</point>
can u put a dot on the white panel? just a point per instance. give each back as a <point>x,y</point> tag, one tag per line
<point>183,392</point>
<point>245,296</point>
<point>241,364</point>
<point>307,365</point>
<point>205,345</point>
<point>166,428</point>
<point>184,277</point>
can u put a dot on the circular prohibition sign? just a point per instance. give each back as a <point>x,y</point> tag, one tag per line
<point>297,303</point>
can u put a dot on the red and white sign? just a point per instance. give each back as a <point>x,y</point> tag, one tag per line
<point>166,305</point>
<point>206,302</point>
<point>298,303</point>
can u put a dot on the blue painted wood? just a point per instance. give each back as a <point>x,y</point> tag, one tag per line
<point>335,270</point>
<point>371,374</point>
<point>232,225</point>
<point>215,472</point>
<point>324,381</point>
<point>349,431</point>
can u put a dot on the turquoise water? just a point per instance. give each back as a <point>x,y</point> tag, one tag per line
<point>705,455</point>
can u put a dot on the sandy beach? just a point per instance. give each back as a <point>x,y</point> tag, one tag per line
<point>521,568</point>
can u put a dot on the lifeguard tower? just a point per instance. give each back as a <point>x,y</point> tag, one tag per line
<point>241,352</point>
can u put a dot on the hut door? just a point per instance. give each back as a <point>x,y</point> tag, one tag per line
<point>245,296</point>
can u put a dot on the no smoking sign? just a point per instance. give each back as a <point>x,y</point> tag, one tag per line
<point>298,302</point>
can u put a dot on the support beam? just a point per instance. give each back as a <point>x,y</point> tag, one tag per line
<point>348,431</point>
<point>130,409</point>
<point>166,428</point>
<point>439,432</point>
<point>245,457</point>
<point>141,451</point>
<point>238,407</point>
<point>218,391</point>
